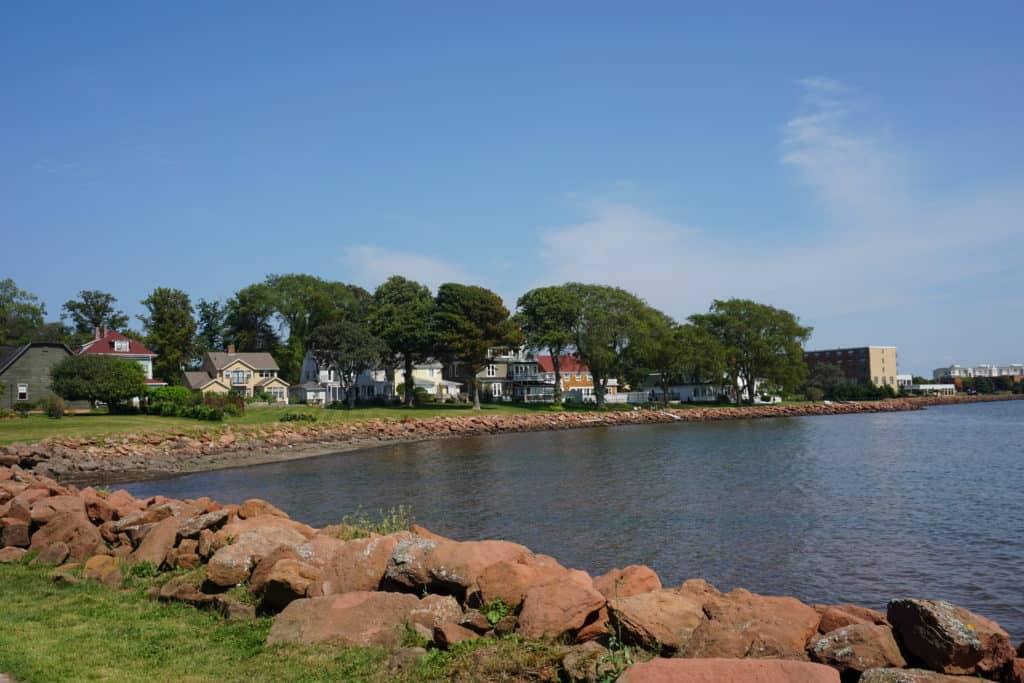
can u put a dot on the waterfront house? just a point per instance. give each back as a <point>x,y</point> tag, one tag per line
<point>577,382</point>
<point>320,385</point>
<point>245,374</point>
<point>863,364</point>
<point>112,343</point>
<point>25,372</point>
<point>432,378</point>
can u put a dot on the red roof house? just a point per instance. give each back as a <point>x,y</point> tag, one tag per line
<point>113,343</point>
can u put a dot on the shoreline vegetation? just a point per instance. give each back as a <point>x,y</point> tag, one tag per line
<point>101,585</point>
<point>168,450</point>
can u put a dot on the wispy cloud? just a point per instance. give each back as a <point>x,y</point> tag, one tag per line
<point>370,264</point>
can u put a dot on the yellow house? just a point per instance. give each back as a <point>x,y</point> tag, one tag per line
<point>243,373</point>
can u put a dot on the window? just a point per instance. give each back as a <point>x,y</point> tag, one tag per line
<point>22,392</point>
<point>121,345</point>
<point>239,376</point>
<point>491,371</point>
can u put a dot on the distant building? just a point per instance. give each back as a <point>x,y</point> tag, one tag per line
<point>25,372</point>
<point>246,374</point>
<point>322,384</point>
<point>576,379</point>
<point>953,371</point>
<point>112,343</point>
<point>931,389</point>
<point>863,364</point>
<point>904,380</point>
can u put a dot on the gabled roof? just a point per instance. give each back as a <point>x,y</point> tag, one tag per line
<point>105,346</point>
<point>258,360</point>
<point>10,354</point>
<point>566,364</point>
<point>198,379</point>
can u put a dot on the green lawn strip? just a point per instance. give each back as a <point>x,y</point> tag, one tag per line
<point>87,632</point>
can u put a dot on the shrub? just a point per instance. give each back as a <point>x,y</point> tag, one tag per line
<point>229,404</point>
<point>361,525</point>
<point>297,417</point>
<point>55,407</point>
<point>179,396</point>
<point>92,377</point>
<point>22,407</point>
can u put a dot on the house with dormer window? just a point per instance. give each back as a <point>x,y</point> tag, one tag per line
<point>245,374</point>
<point>112,343</point>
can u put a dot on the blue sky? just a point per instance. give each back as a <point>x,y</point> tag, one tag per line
<point>859,165</point>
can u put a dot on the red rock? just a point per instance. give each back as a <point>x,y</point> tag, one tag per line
<point>283,530</point>
<point>560,608</point>
<point>157,543</point>
<point>446,635</point>
<point>187,561</point>
<point>52,554</point>
<point>286,581</point>
<point>14,532</point>
<point>623,583</point>
<point>123,503</point>
<point>662,619</point>
<point>948,638</point>
<point>728,671</point>
<point>1014,671</point>
<point>474,620</point>
<point>858,647</point>
<point>448,567</point>
<point>207,544</point>
<point>510,580</point>
<point>834,617</point>
<point>96,508</point>
<point>254,507</point>
<point>233,564</point>
<point>141,518</point>
<point>71,528</point>
<point>360,618</point>
<point>908,676</point>
<point>596,627</point>
<point>104,569</point>
<point>427,533</point>
<point>194,525</point>
<point>435,610</point>
<point>742,624</point>
<point>180,589</point>
<point>357,565</point>
<point>44,509</point>
<point>11,555</point>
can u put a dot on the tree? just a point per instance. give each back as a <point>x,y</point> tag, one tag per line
<point>248,320</point>
<point>93,309</point>
<point>761,343</point>
<point>827,377</point>
<point>21,314</point>
<point>209,326</point>
<point>469,321</point>
<point>93,377</point>
<point>170,332</point>
<point>348,347</point>
<point>402,320</point>
<point>547,317</point>
<point>610,320</point>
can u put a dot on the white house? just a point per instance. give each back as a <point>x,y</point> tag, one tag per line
<point>321,385</point>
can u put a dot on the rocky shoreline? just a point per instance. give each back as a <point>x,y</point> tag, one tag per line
<point>342,585</point>
<point>131,457</point>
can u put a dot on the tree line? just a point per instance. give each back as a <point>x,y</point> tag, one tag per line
<point>749,345</point>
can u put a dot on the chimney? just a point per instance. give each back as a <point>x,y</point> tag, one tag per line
<point>231,348</point>
<point>96,334</point>
<point>104,330</point>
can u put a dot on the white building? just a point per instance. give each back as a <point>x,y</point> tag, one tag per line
<point>322,385</point>
<point>984,370</point>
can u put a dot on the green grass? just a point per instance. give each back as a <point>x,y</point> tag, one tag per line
<point>87,632</point>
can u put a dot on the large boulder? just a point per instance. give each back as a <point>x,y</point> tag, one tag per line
<point>448,634</point>
<point>360,618</point>
<point>357,565</point>
<point>105,569</point>
<point>157,543</point>
<point>44,509</point>
<point>72,528</point>
<point>560,608</point>
<point>742,624</point>
<point>948,638</point>
<point>728,671</point>
<point>254,507</point>
<point>11,555</point>
<point>663,618</point>
<point>510,580</point>
<point>837,616</point>
<point>233,564</point>
<point>447,567</point>
<point>194,525</point>
<point>14,532</point>
<point>283,530</point>
<point>287,580</point>
<point>908,676</point>
<point>434,610</point>
<point>96,507</point>
<point>52,554</point>
<point>858,647</point>
<point>623,583</point>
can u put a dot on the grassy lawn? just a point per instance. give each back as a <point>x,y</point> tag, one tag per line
<point>87,632</point>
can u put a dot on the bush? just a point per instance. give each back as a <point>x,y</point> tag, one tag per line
<point>229,404</point>
<point>179,396</point>
<point>22,407</point>
<point>55,407</point>
<point>297,417</point>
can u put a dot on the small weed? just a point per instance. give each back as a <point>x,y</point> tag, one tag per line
<point>143,570</point>
<point>361,525</point>
<point>242,594</point>
<point>495,611</point>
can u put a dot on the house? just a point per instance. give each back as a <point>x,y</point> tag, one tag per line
<point>321,385</point>
<point>702,392</point>
<point>245,373</point>
<point>25,372</point>
<point>431,377</point>
<point>577,382</point>
<point>112,343</point>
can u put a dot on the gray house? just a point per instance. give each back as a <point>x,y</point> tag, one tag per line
<point>25,371</point>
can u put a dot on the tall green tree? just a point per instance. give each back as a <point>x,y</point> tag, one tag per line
<point>170,331</point>
<point>469,321</point>
<point>760,342</point>
<point>610,320</point>
<point>93,377</point>
<point>21,314</point>
<point>402,320</point>
<point>249,320</point>
<point>209,326</point>
<point>93,309</point>
<point>348,347</point>
<point>547,317</point>
<point>828,378</point>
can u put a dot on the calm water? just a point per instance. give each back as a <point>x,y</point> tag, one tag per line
<point>857,508</point>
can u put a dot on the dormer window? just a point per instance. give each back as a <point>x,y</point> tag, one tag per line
<point>121,345</point>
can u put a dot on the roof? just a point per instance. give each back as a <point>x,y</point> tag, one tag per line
<point>10,354</point>
<point>260,360</point>
<point>197,379</point>
<point>105,346</point>
<point>270,380</point>
<point>566,364</point>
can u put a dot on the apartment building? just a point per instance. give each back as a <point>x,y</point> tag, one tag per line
<point>862,364</point>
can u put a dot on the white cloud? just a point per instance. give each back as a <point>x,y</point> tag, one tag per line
<point>369,265</point>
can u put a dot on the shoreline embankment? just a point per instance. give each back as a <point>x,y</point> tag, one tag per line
<point>138,456</point>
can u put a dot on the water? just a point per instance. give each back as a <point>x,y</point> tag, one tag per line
<point>850,508</point>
